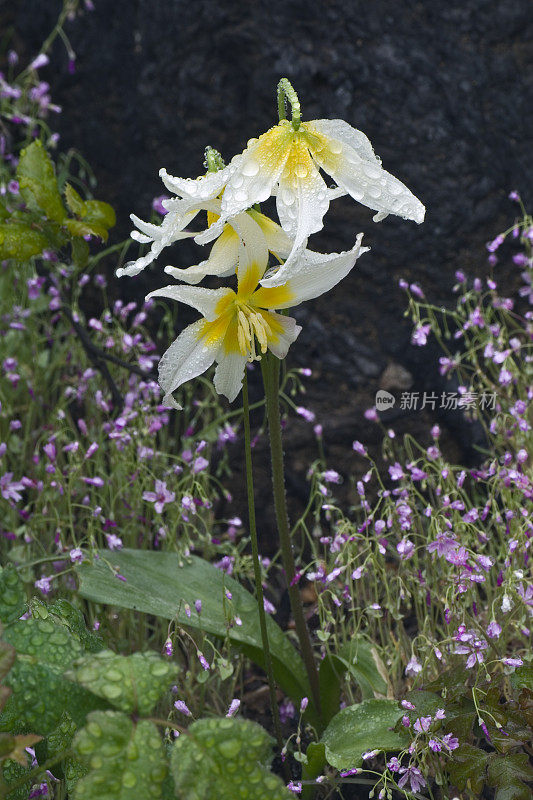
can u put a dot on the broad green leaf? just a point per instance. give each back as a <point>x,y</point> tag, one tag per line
<point>74,201</point>
<point>157,584</point>
<point>20,242</point>
<point>12,771</point>
<point>468,768</point>
<point>99,213</point>
<point>225,759</point>
<point>124,759</point>
<point>522,678</point>
<point>78,227</point>
<point>40,693</point>
<point>130,683</point>
<point>12,595</point>
<point>508,774</point>
<point>313,767</point>
<point>80,252</point>
<point>7,659</point>
<point>362,727</point>
<point>73,618</point>
<point>38,183</point>
<point>360,660</point>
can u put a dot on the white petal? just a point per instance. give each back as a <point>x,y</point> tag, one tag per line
<point>277,240</point>
<point>204,300</point>
<point>314,274</point>
<point>137,236</point>
<point>364,179</point>
<point>254,250</point>
<point>222,260</point>
<point>343,132</point>
<point>204,188</point>
<point>286,337</point>
<point>188,357</point>
<point>229,374</point>
<point>256,170</point>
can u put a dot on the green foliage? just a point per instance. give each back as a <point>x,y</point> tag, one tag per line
<point>40,693</point>
<point>124,759</point>
<point>222,759</point>
<point>130,683</point>
<point>94,216</point>
<point>364,726</point>
<point>360,661</point>
<point>20,241</point>
<point>12,595</point>
<point>160,584</point>
<point>471,768</point>
<point>38,183</point>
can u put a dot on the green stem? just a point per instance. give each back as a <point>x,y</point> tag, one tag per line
<point>270,366</point>
<point>286,92</point>
<point>257,565</point>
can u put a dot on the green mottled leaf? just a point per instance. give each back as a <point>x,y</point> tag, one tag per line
<point>160,584</point>
<point>468,768</point>
<point>509,774</point>
<point>38,183</point>
<point>40,693</point>
<point>225,759</point>
<point>13,771</point>
<point>12,595</point>
<point>73,618</point>
<point>20,242</point>
<point>362,727</point>
<point>130,683</point>
<point>124,759</point>
<point>80,252</point>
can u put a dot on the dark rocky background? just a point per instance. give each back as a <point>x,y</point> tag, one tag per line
<point>442,89</point>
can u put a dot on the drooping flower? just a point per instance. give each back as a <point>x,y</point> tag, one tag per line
<point>236,325</point>
<point>223,258</point>
<point>285,162</point>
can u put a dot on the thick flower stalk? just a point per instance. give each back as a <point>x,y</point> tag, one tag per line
<point>240,326</point>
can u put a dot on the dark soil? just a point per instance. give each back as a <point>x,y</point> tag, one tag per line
<point>444,92</point>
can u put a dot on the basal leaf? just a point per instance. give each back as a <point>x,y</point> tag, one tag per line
<point>225,759</point>
<point>38,183</point>
<point>362,727</point>
<point>74,201</point>
<point>130,683</point>
<point>124,759</point>
<point>40,693</point>
<point>12,595</point>
<point>509,775</point>
<point>20,242</point>
<point>157,584</point>
<point>78,227</point>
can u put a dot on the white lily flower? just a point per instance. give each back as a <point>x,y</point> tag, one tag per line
<point>222,260</point>
<point>286,162</point>
<point>240,326</point>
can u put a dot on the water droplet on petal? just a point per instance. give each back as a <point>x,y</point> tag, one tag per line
<point>301,171</point>
<point>335,147</point>
<point>250,168</point>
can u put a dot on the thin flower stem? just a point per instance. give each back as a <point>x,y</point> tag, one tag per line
<point>257,566</point>
<point>270,367</point>
<point>286,92</point>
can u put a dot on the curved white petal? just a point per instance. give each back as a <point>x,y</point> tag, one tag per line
<point>287,331</point>
<point>186,358</point>
<point>363,177</point>
<point>312,274</point>
<point>277,240</point>
<point>137,236</point>
<point>256,170</point>
<point>204,188</point>
<point>204,300</point>
<point>229,374</point>
<point>343,132</point>
<point>222,260</point>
